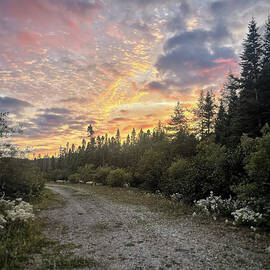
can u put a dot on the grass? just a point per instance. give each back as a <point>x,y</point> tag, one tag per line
<point>48,200</point>
<point>24,246</point>
<point>18,244</point>
<point>134,196</point>
<point>129,244</point>
<point>61,256</point>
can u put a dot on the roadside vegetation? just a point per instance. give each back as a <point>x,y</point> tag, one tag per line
<point>22,196</point>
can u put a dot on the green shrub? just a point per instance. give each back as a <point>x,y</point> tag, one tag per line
<point>18,178</point>
<point>255,187</point>
<point>74,178</point>
<point>86,173</point>
<point>150,170</point>
<point>175,178</point>
<point>101,174</point>
<point>58,174</point>
<point>118,177</point>
<point>203,173</point>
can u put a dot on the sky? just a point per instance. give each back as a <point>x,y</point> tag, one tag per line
<point>113,64</point>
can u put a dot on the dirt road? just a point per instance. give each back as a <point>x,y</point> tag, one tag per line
<point>120,236</point>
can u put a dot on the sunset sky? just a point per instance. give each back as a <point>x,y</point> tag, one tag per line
<point>65,64</point>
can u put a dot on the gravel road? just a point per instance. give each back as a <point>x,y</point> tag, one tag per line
<point>121,236</point>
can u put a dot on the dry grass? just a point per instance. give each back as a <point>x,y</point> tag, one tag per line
<point>48,200</point>
<point>134,196</point>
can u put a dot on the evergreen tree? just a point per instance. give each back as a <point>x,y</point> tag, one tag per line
<point>249,106</point>
<point>133,136</point>
<point>118,137</point>
<point>230,101</point>
<point>209,113</point>
<point>221,124</point>
<point>251,57</point>
<point>264,83</point>
<point>204,114</point>
<point>90,131</point>
<point>128,140</point>
<point>178,121</point>
<point>198,116</point>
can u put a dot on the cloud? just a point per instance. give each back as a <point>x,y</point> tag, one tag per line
<point>13,105</point>
<point>157,86</point>
<point>225,8</point>
<point>46,23</point>
<point>119,119</point>
<point>56,110</point>
<point>145,3</point>
<point>179,20</point>
<point>190,54</point>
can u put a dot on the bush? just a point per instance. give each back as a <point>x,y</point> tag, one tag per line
<point>247,216</point>
<point>255,187</point>
<point>175,178</point>
<point>74,178</point>
<point>19,233</point>
<point>207,172</point>
<point>18,178</point>
<point>58,174</point>
<point>150,170</point>
<point>87,173</point>
<point>118,177</point>
<point>216,206</point>
<point>101,174</point>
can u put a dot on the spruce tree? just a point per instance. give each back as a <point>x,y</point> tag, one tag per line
<point>221,124</point>
<point>264,83</point>
<point>133,136</point>
<point>251,57</point>
<point>231,104</point>
<point>209,113</point>
<point>178,121</point>
<point>249,104</point>
<point>118,137</point>
<point>198,116</point>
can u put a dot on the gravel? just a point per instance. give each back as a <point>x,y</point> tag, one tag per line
<point>121,236</point>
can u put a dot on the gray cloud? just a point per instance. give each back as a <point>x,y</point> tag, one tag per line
<point>13,105</point>
<point>178,22</point>
<point>56,110</point>
<point>145,3</point>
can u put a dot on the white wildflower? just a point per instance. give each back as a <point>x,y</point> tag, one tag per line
<point>23,211</point>
<point>246,215</point>
<point>194,214</point>
<point>2,220</point>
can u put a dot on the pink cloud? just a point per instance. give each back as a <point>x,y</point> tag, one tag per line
<point>226,61</point>
<point>113,31</point>
<point>59,23</point>
<point>26,39</point>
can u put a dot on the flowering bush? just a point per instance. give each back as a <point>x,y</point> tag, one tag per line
<point>16,210</point>
<point>242,214</point>
<point>2,222</point>
<point>176,197</point>
<point>246,215</point>
<point>216,206</point>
